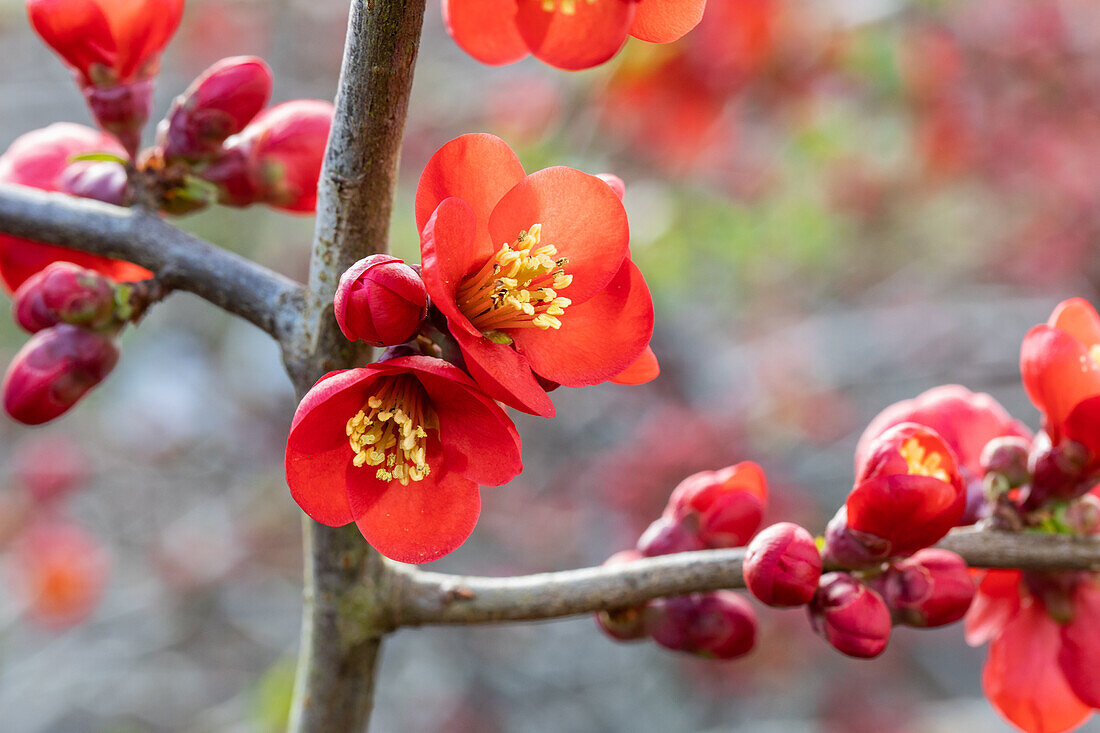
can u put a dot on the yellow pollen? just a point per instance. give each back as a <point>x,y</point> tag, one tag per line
<point>517,287</point>
<point>568,7</point>
<point>1094,353</point>
<point>391,431</point>
<point>922,462</point>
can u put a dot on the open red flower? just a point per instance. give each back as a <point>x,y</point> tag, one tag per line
<point>1042,673</point>
<point>1060,365</point>
<point>908,490</point>
<point>531,271</point>
<point>399,448</point>
<point>41,159</point>
<point>568,34</point>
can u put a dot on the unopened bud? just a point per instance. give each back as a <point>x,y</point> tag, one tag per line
<point>64,293</point>
<point>623,624</point>
<point>782,566</point>
<point>718,625</point>
<point>122,110</point>
<point>103,181</point>
<point>380,300</point>
<point>852,549</point>
<point>56,368</point>
<point>929,589</point>
<point>1007,456</point>
<point>1057,472</point>
<point>726,505</point>
<point>850,616</point>
<point>666,536</point>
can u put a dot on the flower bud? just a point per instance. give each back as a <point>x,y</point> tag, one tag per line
<point>850,616</point>
<point>718,625</point>
<point>623,624</point>
<point>726,505</point>
<point>64,293</point>
<point>220,103</point>
<point>380,300</point>
<point>782,566</point>
<point>122,110</point>
<point>54,370</point>
<point>932,588</point>
<point>1007,456</point>
<point>1057,472</point>
<point>666,536</point>
<point>103,181</point>
<point>852,549</point>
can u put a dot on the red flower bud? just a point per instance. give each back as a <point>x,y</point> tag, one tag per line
<point>54,370</point>
<point>59,572</point>
<point>727,505</point>
<point>1057,472</point>
<point>50,467</point>
<point>122,110</point>
<point>852,549</point>
<point>908,490</point>
<point>931,588</point>
<point>64,293</point>
<point>666,536</point>
<point>380,300</point>
<point>220,103</point>
<point>623,624</point>
<point>718,625</point>
<point>850,616</point>
<point>1007,456</point>
<point>782,566</point>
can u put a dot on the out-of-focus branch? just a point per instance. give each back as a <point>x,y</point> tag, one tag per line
<point>180,260</point>
<point>436,598</point>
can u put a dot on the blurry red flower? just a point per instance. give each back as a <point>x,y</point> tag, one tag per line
<point>60,572</point>
<point>931,588</point>
<point>399,447</point>
<point>41,159</point>
<point>623,624</point>
<point>568,34</point>
<point>724,507</point>
<point>850,616</point>
<point>64,293</point>
<point>380,300</point>
<point>718,625</point>
<point>908,490</point>
<point>50,467</point>
<point>499,248</point>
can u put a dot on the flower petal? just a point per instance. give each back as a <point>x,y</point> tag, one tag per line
<point>580,215</point>
<point>664,21</point>
<point>598,338</point>
<point>504,374</point>
<point>909,511</point>
<point>485,29</point>
<point>644,369</point>
<point>1079,319</point>
<point>449,252</point>
<point>578,40</point>
<point>1080,653</point>
<point>995,604</point>
<point>1058,373</point>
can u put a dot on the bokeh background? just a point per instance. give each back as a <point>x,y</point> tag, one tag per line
<point>837,204</point>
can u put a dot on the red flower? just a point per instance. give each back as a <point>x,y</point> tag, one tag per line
<point>60,572</point>
<point>1060,365</point>
<point>568,34</point>
<point>908,490</point>
<point>40,159</point>
<point>1042,672</point>
<point>501,251</point>
<point>399,448</point>
<point>107,41</point>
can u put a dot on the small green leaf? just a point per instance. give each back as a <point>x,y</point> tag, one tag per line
<point>98,157</point>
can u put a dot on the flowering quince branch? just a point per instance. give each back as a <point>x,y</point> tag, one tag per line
<point>181,260</point>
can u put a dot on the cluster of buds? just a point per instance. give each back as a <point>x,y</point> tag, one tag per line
<point>711,509</point>
<point>75,315</point>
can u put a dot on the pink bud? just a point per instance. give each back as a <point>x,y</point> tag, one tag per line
<point>782,566</point>
<point>931,588</point>
<point>850,548</point>
<point>727,505</point>
<point>122,110</point>
<point>380,300</point>
<point>623,624</point>
<point>1057,472</point>
<point>666,536</point>
<point>50,467</point>
<point>1007,456</point>
<point>54,370</point>
<point>850,616</point>
<point>64,293</point>
<point>103,181</point>
<point>718,625</point>
<point>220,103</point>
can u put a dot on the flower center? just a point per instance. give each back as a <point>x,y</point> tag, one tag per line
<point>517,288</point>
<point>923,462</point>
<point>568,7</point>
<point>1094,353</point>
<point>391,431</point>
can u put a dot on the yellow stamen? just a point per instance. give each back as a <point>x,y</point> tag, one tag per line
<point>923,462</point>
<point>391,430</point>
<point>568,7</point>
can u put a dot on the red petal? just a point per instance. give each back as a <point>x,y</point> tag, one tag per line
<point>485,29</point>
<point>598,338</point>
<point>586,38</point>
<point>20,259</point>
<point>995,604</point>
<point>1079,319</point>
<point>580,215</point>
<point>911,512</point>
<point>747,476</point>
<point>477,168</point>
<point>1022,678</point>
<point>664,21</point>
<point>1083,424</point>
<point>449,251</point>
<point>1080,654</point>
<point>504,374</point>
<point>644,369</point>
<point>317,451</point>
<point>423,521</point>
<point>1057,374</point>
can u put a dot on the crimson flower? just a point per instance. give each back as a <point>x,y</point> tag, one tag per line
<point>1060,365</point>
<point>1044,654</point>
<point>532,272</point>
<point>399,447</point>
<point>568,34</point>
<point>41,159</point>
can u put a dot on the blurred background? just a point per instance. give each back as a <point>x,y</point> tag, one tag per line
<point>837,203</point>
